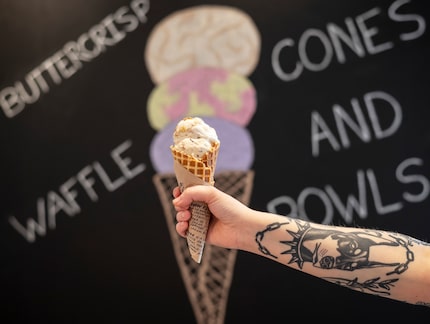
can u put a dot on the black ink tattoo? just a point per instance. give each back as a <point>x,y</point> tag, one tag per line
<point>260,236</point>
<point>334,249</point>
<point>375,286</point>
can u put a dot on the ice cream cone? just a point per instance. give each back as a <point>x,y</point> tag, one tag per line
<point>203,168</point>
<point>191,171</point>
<point>208,283</point>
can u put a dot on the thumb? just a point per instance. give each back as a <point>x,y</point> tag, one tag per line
<point>195,193</point>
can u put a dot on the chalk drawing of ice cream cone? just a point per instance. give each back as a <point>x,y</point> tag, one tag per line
<point>199,59</point>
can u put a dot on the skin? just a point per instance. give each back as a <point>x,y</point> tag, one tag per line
<point>382,263</point>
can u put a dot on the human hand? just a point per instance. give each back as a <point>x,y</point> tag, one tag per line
<point>227,214</point>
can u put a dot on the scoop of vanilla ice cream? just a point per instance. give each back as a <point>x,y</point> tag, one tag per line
<point>194,137</point>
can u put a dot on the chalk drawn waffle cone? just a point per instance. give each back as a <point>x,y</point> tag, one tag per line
<point>208,283</point>
<point>190,171</point>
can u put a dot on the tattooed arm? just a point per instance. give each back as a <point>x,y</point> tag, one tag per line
<point>377,262</point>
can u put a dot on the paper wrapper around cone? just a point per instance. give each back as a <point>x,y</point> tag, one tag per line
<point>189,172</point>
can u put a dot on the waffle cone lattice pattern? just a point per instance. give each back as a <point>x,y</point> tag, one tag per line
<point>204,168</point>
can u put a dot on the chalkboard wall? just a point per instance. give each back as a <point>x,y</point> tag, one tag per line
<point>336,130</point>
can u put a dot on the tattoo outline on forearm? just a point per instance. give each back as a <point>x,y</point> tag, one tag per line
<point>348,251</point>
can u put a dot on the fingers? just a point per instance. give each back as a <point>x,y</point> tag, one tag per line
<point>181,228</point>
<point>195,193</point>
<point>182,202</point>
<point>183,216</point>
<point>176,192</point>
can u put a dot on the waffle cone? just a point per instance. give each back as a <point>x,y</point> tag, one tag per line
<point>203,168</point>
<point>190,171</point>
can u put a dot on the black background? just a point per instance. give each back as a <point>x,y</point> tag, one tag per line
<point>102,264</point>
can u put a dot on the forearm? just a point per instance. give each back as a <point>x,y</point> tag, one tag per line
<point>371,261</point>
